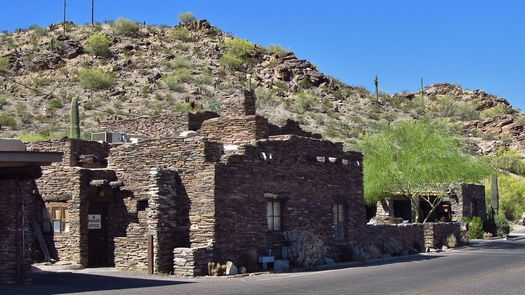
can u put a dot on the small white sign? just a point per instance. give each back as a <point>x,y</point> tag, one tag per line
<point>94,221</point>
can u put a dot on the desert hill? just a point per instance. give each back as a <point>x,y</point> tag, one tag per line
<point>156,70</point>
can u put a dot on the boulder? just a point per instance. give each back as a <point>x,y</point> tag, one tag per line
<point>231,269</point>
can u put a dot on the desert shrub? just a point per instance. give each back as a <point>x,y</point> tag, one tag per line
<point>181,62</point>
<point>181,33</point>
<point>125,27</point>
<point>494,111</point>
<point>4,63</point>
<point>214,105</point>
<point>7,120</point>
<point>475,227</point>
<point>392,246</point>
<point>304,102</point>
<point>230,61</point>
<point>464,238</point>
<point>266,97</point>
<point>509,160</point>
<point>95,78</point>
<point>98,45</point>
<point>307,249</point>
<point>359,254</point>
<point>53,105</point>
<point>175,79</point>
<point>204,78</point>
<point>373,250</point>
<point>450,241</point>
<point>502,225</point>
<point>186,17</point>
<point>39,31</point>
<point>276,48</point>
<point>239,47</point>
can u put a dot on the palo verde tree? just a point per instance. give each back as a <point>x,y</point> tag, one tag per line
<point>412,158</point>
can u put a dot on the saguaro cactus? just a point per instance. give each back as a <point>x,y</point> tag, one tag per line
<point>376,82</point>
<point>74,131</point>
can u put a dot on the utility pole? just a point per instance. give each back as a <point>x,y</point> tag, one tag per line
<point>64,21</point>
<point>92,12</point>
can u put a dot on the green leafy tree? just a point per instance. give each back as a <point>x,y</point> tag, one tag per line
<point>98,44</point>
<point>411,158</point>
<point>186,17</point>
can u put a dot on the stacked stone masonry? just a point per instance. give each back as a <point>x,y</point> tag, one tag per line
<point>204,197</point>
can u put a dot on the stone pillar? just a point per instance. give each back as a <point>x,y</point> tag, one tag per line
<point>162,215</point>
<point>15,231</point>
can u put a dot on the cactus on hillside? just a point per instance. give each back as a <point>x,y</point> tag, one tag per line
<point>74,131</point>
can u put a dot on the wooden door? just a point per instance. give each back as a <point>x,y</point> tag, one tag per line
<point>98,234</point>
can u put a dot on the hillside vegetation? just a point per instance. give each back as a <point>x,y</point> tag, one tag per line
<point>122,69</point>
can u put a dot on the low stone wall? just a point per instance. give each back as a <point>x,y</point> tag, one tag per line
<point>131,251</point>
<point>191,261</point>
<point>412,235</point>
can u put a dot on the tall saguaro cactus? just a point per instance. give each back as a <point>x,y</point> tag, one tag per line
<point>494,194</point>
<point>376,82</point>
<point>74,131</point>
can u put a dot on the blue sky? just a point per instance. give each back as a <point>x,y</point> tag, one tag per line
<point>477,44</point>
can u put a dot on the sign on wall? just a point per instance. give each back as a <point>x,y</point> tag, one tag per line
<point>94,221</point>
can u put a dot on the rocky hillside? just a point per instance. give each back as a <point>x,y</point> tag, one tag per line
<point>123,70</point>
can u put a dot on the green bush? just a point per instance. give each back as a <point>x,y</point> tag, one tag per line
<point>494,111</point>
<point>7,120</point>
<point>181,33</point>
<point>175,79</point>
<point>4,63</point>
<point>509,160</point>
<point>239,47</point>
<point>125,27</point>
<point>95,79</point>
<point>230,61</point>
<point>502,225</point>
<point>186,17</point>
<point>98,45</point>
<point>276,48</point>
<point>304,102</point>
<point>475,227</point>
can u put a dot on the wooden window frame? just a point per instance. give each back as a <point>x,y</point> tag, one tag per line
<point>56,214</point>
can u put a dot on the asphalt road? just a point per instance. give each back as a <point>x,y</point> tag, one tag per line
<point>484,267</point>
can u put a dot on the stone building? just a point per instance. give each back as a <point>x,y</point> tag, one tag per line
<point>461,200</point>
<point>198,188</point>
<point>20,204</point>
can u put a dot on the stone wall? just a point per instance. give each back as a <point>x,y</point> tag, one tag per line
<point>237,102</point>
<point>230,130</point>
<point>16,234</point>
<point>411,235</point>
<point>176,199</point>
<point>73,149</point>
<point>158,126</point>
<point>470,202</point>
<point>191,261</point>
<point>306,175</point>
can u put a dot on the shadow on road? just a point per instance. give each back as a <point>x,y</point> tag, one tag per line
<point>46,283</point>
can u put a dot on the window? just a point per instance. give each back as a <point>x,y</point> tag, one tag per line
<point>339,228</point>
<point>273,215</point>
<point>56,218</point>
